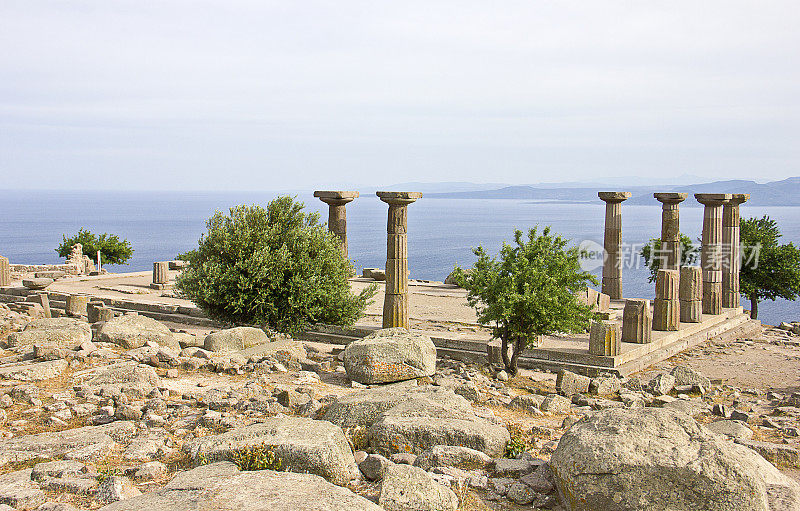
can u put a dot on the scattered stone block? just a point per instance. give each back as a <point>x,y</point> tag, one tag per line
<point>77,305</point>
<point>405,487</point>
<point>666,306</point>
<point>37,283</point>
<point>390,355</point>
<point>569,383</point>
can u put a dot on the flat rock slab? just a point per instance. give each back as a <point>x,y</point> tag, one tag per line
<point>77,444</point>
<point>235,339</point>
<point>365,407</point>
<point>60,332</point>
<point>33,371</point>
<point>222,486</point>
<point>19,491</point>
<point>405,487</point>
<point>301,445</point>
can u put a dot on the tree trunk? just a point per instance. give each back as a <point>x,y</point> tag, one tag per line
<point>753,307</point>
<point>519,345</point>
<point>504,352</point>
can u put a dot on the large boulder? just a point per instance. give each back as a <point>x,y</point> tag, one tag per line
<point>651,458</point>
<point>235,339</point>
<point>134,331</point>
<point>284,350</point>
<point>128,378</point>
<point>60,332</point>
<point>33,371</point>
<point>420,424</point>
<point>410,488</point>
<point>390,355</point>
<point>300,444</point>
<point>222,486</point>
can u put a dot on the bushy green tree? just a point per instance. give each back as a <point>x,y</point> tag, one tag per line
<point>276,267</point>
<point>112,249</point>
<point>769,270</point>
<point>529,291</point>
<point>651,253</point>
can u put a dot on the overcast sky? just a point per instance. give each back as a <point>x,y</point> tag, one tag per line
<point>233,95</point>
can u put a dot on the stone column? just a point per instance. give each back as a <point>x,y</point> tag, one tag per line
<point>612,264</point>
<point>161,272</point>
<point>395,303</point>
<point>637,321</point>
<point>5,271</point>
<point>711,253</point>
<point>731,256</point>
<point>604,338</point>
<point>691,294</point>
<point>337,216</point>
<point>666,306</point>
<point>77,305</point>
<point>670,229</point>
<point>93,311</point>
<point>42,299</point>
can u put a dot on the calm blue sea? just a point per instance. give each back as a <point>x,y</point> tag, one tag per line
<point>441,231</point>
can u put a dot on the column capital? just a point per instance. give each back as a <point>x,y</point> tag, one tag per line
<point>739,198</point>
<point>398,198</point>
<point>614,197</point>
<point>670,197</point>
<point>335,197</point>
<point>713,199</point>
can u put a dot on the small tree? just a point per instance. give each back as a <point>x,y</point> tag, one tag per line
<point>653,256</point>
<point>530,291</point>
<point>112,249</point>
<point>276,267</point>
<point>768,270</point>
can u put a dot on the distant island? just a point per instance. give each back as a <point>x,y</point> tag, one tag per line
<point>776,193</point>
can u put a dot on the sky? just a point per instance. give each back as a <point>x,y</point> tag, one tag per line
<point>279,95</point>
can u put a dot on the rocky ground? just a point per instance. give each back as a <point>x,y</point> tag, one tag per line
<point>129,415</point>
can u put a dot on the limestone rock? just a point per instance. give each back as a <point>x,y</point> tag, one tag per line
<point>222,486</point>
<point>126,377</point>
<point>365,407</point>
<point>452,456</point>
<point>133,331</point>
<point>61,332</point>
<point>235,339</point>
<point>661,384</point>
<point>63,468</point>
<point>301,445</point>
<point>390,355</point>
<point>421,423</point>
<point>75,444</point>
<point>685,375</point>
<point>37,283</point>
<point>18,491</point>
<point>374,466</point>
<point>735,430</point>
<point>115,488</point>
<point>283,350</point>
<point>556,404</point>
<point>623,459</point>
<point>409,488</point>
<point>33,371</point>
<point>569,383</point>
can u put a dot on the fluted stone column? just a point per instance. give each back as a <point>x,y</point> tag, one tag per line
<point>711,253</point>
<point>666,306</point>
<point>670,229</point>
<point>395,303</point>
<point>337,215</point>
<point>77,305</point>
<point>604,338</point>
<point>731,255</point>
<point>637,321</point>
<point>691,294</point>
<point>612,265</point>
<point>5,271</point>
<point>161,272</point>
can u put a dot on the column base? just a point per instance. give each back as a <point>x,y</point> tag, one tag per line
<point>666,315</point>
<point>691,311</point>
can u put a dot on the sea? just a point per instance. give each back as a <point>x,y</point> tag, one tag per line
<point>442,232</point>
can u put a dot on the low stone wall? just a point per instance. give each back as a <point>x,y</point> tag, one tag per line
<point>69,269</point>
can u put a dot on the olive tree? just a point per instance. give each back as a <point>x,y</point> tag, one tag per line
<point>530,290</point>
<point>275,266</point>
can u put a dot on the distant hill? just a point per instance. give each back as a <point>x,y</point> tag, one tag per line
<point>776,193</point>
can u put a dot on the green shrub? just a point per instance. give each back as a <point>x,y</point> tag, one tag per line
<point>256,458</point>
<point>275,266</point>
<point>112,249</point>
